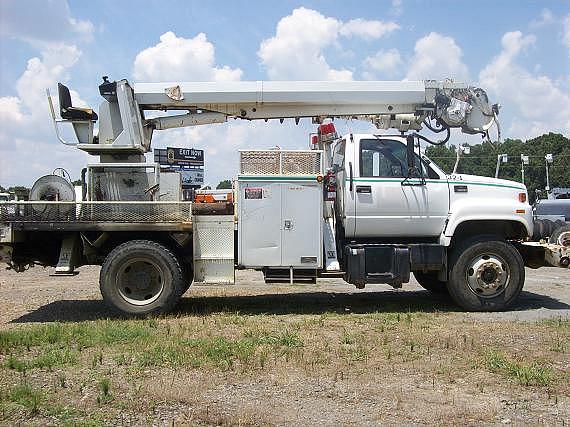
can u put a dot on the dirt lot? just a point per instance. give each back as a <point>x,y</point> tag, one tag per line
<point>256,354</point>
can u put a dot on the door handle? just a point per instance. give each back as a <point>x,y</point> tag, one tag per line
<point>350,176</point>
<point>364,189</point>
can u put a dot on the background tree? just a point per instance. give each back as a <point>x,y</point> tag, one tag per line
<point>226,184</point>
<point>483,159</point>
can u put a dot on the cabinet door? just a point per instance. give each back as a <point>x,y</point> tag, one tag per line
<point>301,224</point>
<point>260,224</point>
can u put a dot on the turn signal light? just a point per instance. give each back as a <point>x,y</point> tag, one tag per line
<point>522,197</point>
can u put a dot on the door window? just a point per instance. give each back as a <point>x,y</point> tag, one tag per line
<point>386,158</point>
<point>382,158</point>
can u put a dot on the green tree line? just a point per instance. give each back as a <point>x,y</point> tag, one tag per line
<point>483,159</point>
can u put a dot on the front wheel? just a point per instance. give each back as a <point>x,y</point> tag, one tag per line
<point>486,274</point>
<point>141,277</point>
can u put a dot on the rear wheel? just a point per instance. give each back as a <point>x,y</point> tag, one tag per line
<point>141,277</point>
<point>430,282</point>
<point>486,274</point>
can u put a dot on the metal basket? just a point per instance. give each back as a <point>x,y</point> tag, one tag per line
<point>280,162</point>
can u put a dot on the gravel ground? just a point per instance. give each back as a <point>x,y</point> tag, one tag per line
<point>396,357</point>
<point>35,296</point>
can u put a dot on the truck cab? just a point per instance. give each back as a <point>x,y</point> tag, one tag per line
<point>380,198</point>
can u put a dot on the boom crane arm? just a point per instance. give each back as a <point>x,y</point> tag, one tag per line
<point>401,105</point>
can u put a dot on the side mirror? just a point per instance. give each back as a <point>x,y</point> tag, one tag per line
<point>410,152</point>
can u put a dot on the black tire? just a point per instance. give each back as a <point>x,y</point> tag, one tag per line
<point>486,274</point>
<point>141,277</point>
<point>188,278</point>
<point>430,282</point>
<point>560,236</point>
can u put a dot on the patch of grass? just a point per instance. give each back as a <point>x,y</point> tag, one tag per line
<point>558,323</point>
<point>85,334</point>
<point>25,395</point>
<point>535,373</point>
<point>16,364</point>
<point>50,358</point>
<point>348,338</point>
<point>105,395</point>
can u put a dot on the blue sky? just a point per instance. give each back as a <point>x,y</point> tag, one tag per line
<point>519,51</point>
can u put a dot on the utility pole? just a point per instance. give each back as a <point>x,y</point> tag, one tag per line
<point>548,159</point>
<point>465,149</point>
<point>524,161</point>
<point>501,158</point>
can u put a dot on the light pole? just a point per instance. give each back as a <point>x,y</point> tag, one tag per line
<point>524,161</point>
<point>548,159</point>
<point>465,149</point>
<point>501,158</point>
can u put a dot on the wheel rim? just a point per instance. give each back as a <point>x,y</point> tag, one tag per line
<point>563,239</point>
<point>140,281</point>
<point>488,275</point>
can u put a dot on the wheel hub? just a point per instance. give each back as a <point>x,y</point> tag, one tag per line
<point>488,275</point>
<point>140,282</point>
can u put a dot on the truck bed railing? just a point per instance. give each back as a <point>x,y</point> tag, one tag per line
<point>89,212</point>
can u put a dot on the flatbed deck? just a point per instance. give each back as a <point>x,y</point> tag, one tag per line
<point>97,216</point>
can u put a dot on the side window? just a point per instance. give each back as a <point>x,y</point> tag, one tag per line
<point>338,156</point>
<point>382,158</point>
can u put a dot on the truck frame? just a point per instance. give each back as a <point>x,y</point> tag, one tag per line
<point>371,208</point>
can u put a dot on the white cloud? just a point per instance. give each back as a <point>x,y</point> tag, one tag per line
<point>384,61</point>
<point>177,58</point>
<point>28,146</point>
<point>297,50</point>
<point>546,18</point>
<point>537,103</point>
<point>566,32</point>
<point>23,20</point>
<point>437,57</point>
<point>367,29</point>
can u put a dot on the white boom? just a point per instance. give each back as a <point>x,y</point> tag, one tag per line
<point>402,105</point>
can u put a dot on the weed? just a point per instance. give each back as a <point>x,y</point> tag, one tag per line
<point>558,345</point>
<point>97,359</point>
<point>23,394</point>
<point>16,364</point>
<point>348,338</point>
<point>104,391</point>
<point>359,354</point>
<point>62,379</point>
<point>525,374</point>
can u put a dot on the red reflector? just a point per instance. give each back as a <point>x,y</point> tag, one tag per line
<point>315,140</point>
<point>520,211</point>
<point>522,197</point>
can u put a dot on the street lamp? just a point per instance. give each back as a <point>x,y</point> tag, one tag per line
<point>524,161</point>
<point>501,158</point>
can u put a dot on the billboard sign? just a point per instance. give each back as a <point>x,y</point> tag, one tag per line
<point>189,156</point>
<point>192,177</point>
